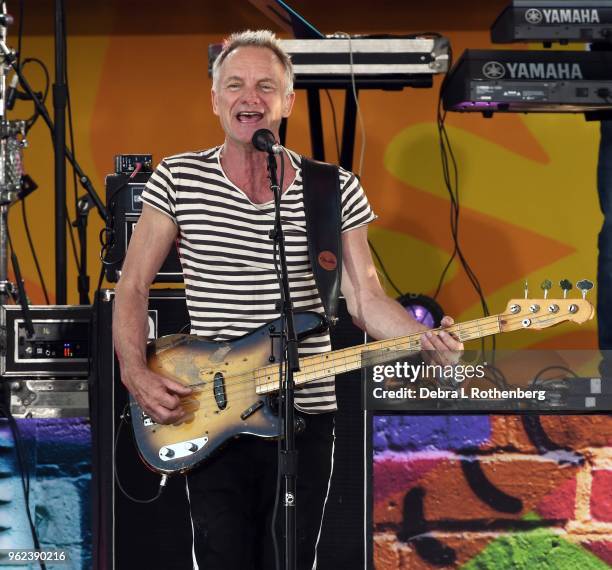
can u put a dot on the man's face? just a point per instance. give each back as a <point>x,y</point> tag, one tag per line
<point>250,93</point>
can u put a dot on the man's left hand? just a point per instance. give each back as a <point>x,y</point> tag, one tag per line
<point>440,346</point>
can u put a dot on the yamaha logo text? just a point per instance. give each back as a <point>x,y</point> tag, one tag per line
<point>497,70</point>
<point>562,16</point>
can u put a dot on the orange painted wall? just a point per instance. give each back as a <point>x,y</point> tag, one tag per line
<point>528,188</point>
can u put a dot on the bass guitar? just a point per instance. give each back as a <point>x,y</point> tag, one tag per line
<point>234,382</point>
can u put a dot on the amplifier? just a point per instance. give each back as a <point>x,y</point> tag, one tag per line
<point>59,347</point>
<point>115,517</point>
<point>124,205</point>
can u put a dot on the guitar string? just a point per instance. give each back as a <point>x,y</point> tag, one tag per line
<point>259,374</point>
<point>235,397</point>
<point>353,362</point>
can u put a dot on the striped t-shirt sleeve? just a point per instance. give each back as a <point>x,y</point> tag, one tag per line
<point>160,191</point>
<point>356,210</point>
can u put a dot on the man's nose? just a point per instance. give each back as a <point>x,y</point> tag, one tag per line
<point>250,95</point>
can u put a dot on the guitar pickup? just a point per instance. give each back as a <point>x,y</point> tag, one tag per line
<point>251,410</point>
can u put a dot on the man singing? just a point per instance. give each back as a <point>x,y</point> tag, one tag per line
<point>217,206</point>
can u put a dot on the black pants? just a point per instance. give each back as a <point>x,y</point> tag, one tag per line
<point>232,497</point>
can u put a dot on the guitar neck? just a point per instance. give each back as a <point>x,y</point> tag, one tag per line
<point>327,364</point>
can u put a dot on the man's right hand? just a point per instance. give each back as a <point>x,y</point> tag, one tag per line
<point>159,397</point>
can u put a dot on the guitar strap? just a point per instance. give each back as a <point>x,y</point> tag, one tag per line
<point>321,184</point>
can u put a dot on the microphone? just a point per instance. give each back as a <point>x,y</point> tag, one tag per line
<point>11,92</point>
<point>263,139</point>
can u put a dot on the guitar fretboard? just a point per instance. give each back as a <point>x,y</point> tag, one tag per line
<point>355,357</point>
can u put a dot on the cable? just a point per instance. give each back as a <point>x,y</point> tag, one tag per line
<point>71,236</point>
<point>333,110</point>
<point>450,173</point>
<point>73,151</point>
<point>358,107</point>
<point>537,379</point>
<point>283,370</point>
<point>32,119</point>
<point>21,64</point>
<point>162,482</point>
<point>24,473</point>
<point>26,225</point>
<point>378,258</point>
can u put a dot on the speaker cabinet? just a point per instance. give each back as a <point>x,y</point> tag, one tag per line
<point>342,536</point>
<point>130,535</point>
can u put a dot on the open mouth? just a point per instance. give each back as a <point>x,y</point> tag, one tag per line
<point>249,116</point>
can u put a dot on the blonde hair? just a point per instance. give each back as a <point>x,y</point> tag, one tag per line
<point>254,38</point>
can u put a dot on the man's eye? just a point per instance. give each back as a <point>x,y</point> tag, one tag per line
<point>267,87</point>
<point>233,86</point>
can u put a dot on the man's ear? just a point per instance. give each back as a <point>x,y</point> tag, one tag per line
<point>288,104</point>
<point>213,99</point>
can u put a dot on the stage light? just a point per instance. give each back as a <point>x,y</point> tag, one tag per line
<point>423,308</point>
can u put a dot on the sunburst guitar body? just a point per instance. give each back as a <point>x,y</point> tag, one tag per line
<point>225,400</point>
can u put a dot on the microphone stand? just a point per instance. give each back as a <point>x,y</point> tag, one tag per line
<point>59,144</point>
<point>288,341</point>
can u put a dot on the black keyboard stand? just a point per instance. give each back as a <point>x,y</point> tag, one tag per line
<point>313,86</point>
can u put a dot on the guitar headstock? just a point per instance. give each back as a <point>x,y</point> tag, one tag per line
<point>544,313</point>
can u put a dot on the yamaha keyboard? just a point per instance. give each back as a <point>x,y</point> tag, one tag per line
<point>554,21</point>
<point>376,62</point>
<point>530,81</point>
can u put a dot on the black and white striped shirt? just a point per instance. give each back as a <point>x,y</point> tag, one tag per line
<point>227,254</point>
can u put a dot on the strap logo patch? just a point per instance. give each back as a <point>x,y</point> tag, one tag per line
<point>327,260</point>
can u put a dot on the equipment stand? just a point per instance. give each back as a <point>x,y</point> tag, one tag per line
<point>288,459</point>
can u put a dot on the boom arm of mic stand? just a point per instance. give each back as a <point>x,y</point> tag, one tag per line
<point>10,57</point>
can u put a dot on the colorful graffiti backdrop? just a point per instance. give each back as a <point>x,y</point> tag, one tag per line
<point>492,492</point>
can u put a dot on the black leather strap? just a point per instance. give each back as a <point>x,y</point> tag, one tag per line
<point>323,227</point>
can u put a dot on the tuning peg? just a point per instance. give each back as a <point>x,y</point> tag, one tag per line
<point>567,286</point>
<point>585,286</point>
<point>526,290</point>
<point>546,287</point>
